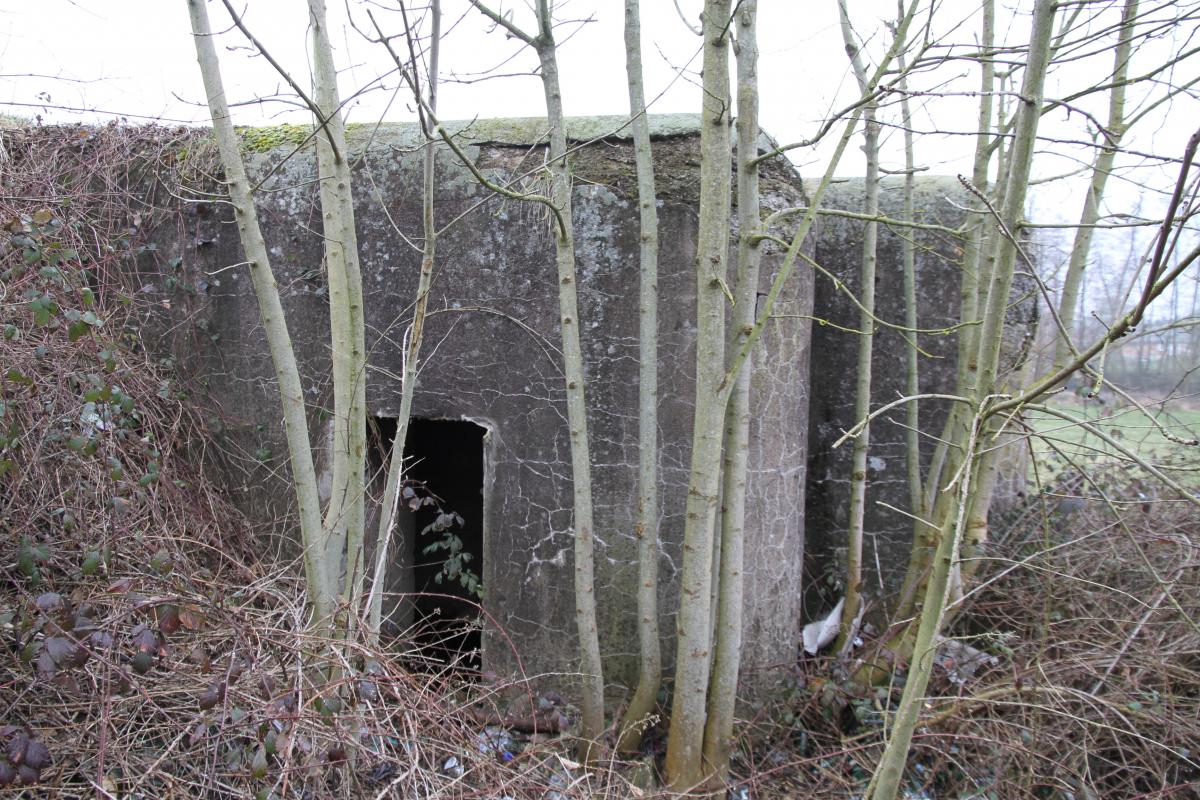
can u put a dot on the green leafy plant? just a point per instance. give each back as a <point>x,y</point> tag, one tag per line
<point>455,558</point>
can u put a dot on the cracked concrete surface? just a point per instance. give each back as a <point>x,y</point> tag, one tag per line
<point>888,531</point>
<point>491,355</point>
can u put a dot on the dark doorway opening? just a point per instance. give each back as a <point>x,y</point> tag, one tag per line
<point>438,563</point>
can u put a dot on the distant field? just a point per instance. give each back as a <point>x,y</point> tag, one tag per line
<point>1129,427</point>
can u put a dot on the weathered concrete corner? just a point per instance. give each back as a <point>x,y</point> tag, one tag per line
<point>938,201</point>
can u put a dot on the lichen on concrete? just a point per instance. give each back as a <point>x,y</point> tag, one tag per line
<point>497,332</point>
<point>938,200</point>
<point>263,139</point>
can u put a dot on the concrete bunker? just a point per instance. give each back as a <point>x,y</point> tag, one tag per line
<point>495,322</point>
<point>943,206</point>
<point>496,325</point>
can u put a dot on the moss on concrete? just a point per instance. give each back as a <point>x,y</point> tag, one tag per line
<point>264,139</point>
<point>532,130</point>
<point>931,197</point>
<point>515,131</point>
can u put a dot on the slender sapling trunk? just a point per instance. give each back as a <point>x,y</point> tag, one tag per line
<point>723,684</point>
<point>317,569</point>
<point>645,697</point>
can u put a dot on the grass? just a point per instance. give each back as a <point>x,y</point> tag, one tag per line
<point>1059,445</point>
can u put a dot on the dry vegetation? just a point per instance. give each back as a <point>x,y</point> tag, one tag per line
<point>1094,611</point>
<point>149,651</point>
<point>1083,679</point>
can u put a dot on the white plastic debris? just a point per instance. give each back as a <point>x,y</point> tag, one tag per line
<point>960,660</point>
<point>820,633</point>
<point>823,631</point>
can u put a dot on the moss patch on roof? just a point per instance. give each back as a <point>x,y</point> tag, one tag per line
<point>260,139</point>
<point>533,130</point>
<point>936,198</point>
<point>522,131</point>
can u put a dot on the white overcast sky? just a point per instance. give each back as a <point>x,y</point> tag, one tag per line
<point>93,60</point>
<point>135,58</point>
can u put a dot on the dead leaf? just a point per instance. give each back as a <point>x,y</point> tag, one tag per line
<point>49,602</point>
<point>120,586</point>
<point>191,618</point>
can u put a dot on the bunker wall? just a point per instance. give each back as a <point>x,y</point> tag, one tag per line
<point>491,355</point>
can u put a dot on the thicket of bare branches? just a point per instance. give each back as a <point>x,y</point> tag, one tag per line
<point>148,651</point>
<point>1091,609</point>
<point>1072,671</point>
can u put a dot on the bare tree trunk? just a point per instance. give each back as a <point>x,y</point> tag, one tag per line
<point>912,376</point>
<point>792,255</point>
<point>592,698</point>
<point>976,263</point>
<point>391,494</point>
<point>645,697</point>
<point>866,341</point>
<point>886,782</point>
<point>684,768</point>
<point>978,374</point>
<point>344,518</point>
<point>291,394</point>
<point>723,684</point>
<point>890,770</point>
<point>683,764</point>
<point>1013,209</point>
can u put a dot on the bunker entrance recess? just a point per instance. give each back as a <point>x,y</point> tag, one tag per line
<point>438,544</point>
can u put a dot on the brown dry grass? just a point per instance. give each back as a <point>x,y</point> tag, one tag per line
<point>1092,689</point>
